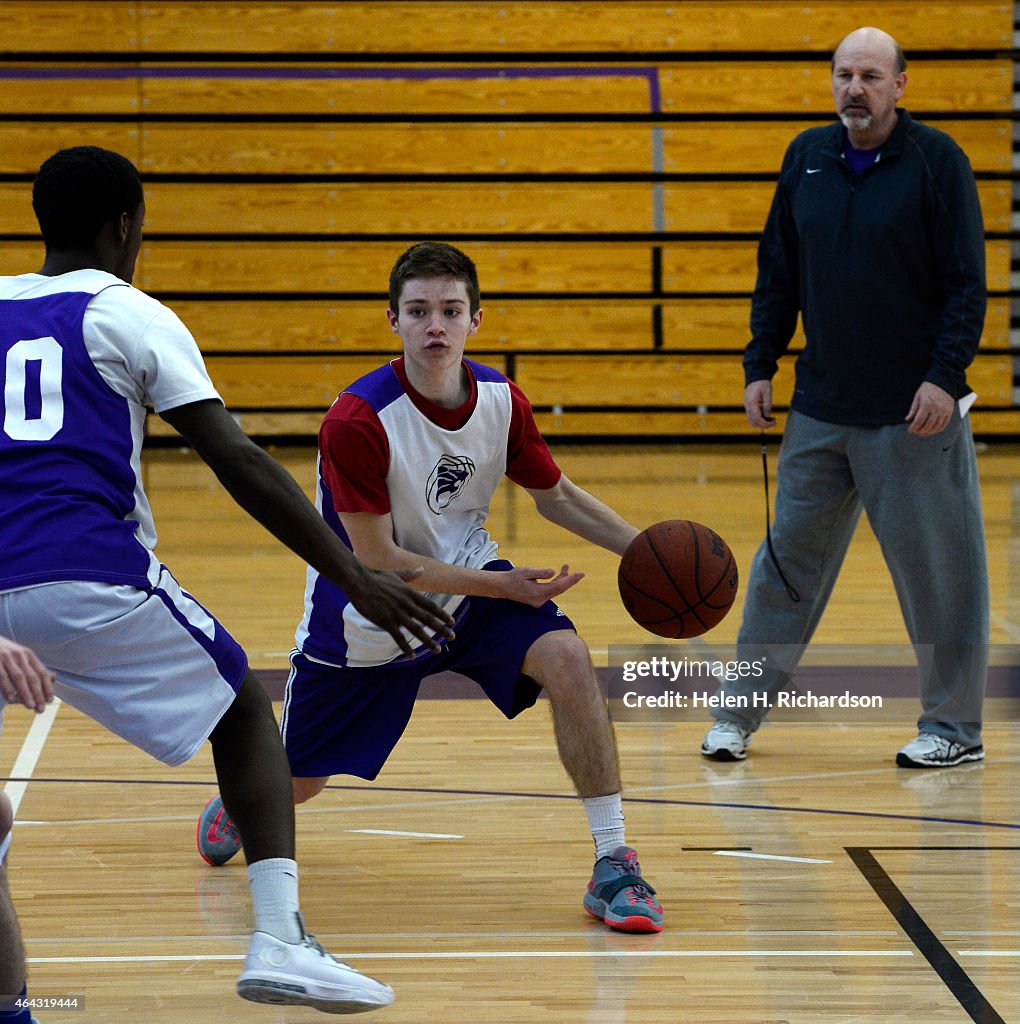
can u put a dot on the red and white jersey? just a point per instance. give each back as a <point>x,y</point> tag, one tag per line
<point>385,449</point>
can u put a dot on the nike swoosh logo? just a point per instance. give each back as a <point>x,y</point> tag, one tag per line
<point>813,170</point>
<point>219,830</point>
<point>214,836</point>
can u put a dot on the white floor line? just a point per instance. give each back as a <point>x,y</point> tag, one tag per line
<point>349,938</point>
<point>497,955</point>
<point>960,933</point>
<point>380,808</point>
<point>988,952</point>
<point>768,856</point>
<point>465,800</point>
<point>110,821</point>
<point>31,750</point>
<point>411,835</point>
<point>757,780</point>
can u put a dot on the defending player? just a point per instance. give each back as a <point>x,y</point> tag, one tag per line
<point>410,456</point>
<point>81,354</point>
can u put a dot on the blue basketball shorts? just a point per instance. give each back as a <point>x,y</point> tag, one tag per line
<point>346,721</point>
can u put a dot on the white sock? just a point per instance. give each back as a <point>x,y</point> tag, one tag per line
<point>605,817</point>
<point>274,895</point>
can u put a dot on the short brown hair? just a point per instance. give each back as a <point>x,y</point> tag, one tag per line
<point>434,259</point>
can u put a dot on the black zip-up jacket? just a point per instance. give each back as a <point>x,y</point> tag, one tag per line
<point>887,270</point>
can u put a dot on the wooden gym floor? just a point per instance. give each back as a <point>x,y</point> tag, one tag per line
<point>814,883</point>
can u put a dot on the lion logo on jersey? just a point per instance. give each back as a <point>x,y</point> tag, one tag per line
<point>447,480</point>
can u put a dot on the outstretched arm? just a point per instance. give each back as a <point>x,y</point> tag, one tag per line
<point>372,537</point>
<point>267,492</point>
<point>573,508</point>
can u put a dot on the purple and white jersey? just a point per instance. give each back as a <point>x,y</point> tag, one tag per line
<point>81,356</point>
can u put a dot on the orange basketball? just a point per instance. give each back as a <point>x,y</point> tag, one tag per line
<point>678,579</point>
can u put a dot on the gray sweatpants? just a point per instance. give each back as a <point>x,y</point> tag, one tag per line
<point>923,501</point>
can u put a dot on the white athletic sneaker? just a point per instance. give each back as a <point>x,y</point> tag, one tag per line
<point>304,974</point>
<point>726,741</point>
<point>932,751</point>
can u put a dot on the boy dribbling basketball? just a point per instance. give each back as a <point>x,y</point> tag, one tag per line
<point>410,456</point>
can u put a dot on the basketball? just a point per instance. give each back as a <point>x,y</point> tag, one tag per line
<point>678,579</point>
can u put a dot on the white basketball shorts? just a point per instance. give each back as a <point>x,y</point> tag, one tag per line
<point>155,668</point>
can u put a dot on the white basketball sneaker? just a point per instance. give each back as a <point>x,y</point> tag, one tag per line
<point>726,741</point>
<point>304,974</point>
<point>932,751</point>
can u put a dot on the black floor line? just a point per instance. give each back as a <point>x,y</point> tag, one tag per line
<point>955,978</point>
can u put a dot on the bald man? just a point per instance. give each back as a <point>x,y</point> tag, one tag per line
<point>875,239</point>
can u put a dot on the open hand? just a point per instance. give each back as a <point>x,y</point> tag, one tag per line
<point>385,599</point>
<point>536,586</point>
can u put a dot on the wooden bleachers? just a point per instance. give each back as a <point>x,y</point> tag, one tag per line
<point>312,208</point>
<point>523,147</point>
<point>608,169</point>
<point>165,26</point>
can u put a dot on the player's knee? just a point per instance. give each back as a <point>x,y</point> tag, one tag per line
<point>559,661</point>
<point>6,815</point>
<point>250,709</point>
<point>305,789</point>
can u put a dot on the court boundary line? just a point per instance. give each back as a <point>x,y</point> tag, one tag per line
<point>656,801</point>
<point>943,963</point>
<point>501,954</point>
<point>29,754</point>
